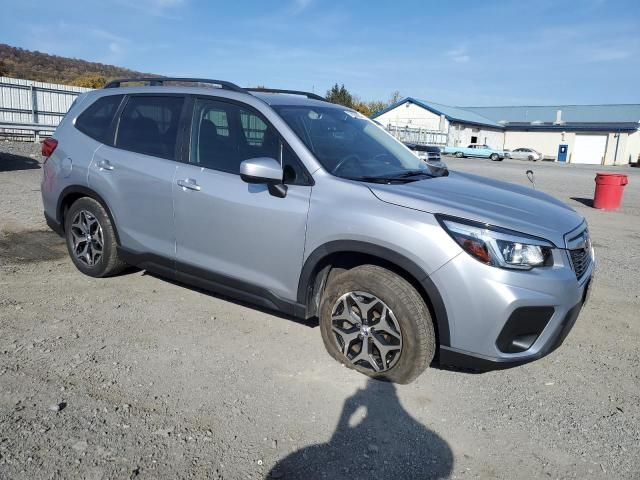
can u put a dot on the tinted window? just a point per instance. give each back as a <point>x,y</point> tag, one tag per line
<point>224,135</point>
<point>219,119</point>
<point>95,121</point>
<point>254,128</point>
<point>294,172</point>
<point>349,145</point>
<point>149,125</point>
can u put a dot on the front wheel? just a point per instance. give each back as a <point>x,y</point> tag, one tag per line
<point>375,322</point>
<point>495,157</point>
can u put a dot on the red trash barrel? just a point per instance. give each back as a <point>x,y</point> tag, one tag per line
<point>608,194</point>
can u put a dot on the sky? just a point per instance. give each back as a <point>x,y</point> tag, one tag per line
<point>465,53</point>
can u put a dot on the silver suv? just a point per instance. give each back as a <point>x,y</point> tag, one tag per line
<point>284,200</point>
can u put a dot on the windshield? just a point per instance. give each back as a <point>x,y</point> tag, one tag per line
<point>349,145</point>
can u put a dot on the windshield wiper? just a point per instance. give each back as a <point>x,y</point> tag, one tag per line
<point>412,173</point>
<point>374,179</point>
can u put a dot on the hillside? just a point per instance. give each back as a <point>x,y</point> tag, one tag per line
<point>34,65</point>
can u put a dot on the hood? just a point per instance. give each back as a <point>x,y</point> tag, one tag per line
<point>483,199</point>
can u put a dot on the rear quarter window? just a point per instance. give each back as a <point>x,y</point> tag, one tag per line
<point>96,120</point>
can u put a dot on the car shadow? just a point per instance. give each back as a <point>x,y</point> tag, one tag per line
<point>585,201</point>
<point>10,162</point>
<point>375,438</point>
<point>309,322</point>
<point>30,246</point>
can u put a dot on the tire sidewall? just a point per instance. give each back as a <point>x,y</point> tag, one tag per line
<point>93,207</point>
<point>410,360</point>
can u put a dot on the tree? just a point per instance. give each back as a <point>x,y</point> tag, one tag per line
<point>90,81</point>
<point>340,95</point>
<point>376,106</point>
<point>21,63</point>
<point>368,109</point>
<point>360,106</point>
<point>3,69</point>
<point>395,96</point>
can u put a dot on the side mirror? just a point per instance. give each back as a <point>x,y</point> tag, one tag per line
<point>266,171</point>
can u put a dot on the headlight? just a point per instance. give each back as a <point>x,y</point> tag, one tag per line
<point>498,247</point>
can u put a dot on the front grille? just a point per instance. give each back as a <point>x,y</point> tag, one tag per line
<point>580,259</point>
<point>579,247</point>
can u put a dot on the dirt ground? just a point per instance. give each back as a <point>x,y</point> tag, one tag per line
<point>137,377</point>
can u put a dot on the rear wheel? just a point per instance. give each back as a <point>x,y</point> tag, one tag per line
<point>91,240</point>
<point>459,154</point>
<point>375,322</point>
<point>531,159</point>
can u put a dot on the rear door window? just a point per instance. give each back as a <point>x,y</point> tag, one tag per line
<point>149,125</point>
<point>96,120</point>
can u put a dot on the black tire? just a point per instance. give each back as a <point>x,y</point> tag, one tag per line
<point>495,157</point>
<point>459,154</point>
<point>108,263</point>
<point>408,307</point>
<point>531,159</point>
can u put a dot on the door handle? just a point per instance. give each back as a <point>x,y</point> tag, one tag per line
<point>189,183</point>
<point>105,165</point>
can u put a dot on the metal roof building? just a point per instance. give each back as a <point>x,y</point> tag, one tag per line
<point>594,134</point>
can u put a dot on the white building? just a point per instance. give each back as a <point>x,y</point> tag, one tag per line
<point>594,134</point>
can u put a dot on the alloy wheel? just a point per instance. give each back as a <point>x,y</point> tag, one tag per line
<point>87,238</point>
<point>366,331</point>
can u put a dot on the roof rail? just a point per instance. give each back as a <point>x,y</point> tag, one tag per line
<point>290,92</point>
<point>159,81</point>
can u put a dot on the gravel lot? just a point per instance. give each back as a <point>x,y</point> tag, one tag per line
<point>137,377</point>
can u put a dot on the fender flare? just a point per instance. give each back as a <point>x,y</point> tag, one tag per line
<point>310,268</point>
<point>87,192</point>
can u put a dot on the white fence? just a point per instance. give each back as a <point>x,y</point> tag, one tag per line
<point>28,108</point>
<point>418,136</point>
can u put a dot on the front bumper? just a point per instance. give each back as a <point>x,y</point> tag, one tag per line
<point>484,299</point>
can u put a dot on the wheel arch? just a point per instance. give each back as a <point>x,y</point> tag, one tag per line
<point>351,253</point>
<point>74,192</point>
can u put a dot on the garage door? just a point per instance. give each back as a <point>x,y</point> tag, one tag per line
<point>589,149</point>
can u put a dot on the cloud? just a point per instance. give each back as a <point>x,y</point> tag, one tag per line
<point>299,6</point>
<point>115,48</point>
<point>156,8</point>
<point>165,3</point>
<point>458,55</point>
<point>606,55</point>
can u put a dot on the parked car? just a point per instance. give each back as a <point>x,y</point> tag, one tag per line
<point>476,150</point>
<point>425,152</point>
<point>284,200</point>
<point>525,154</point>
<point>429,154</point>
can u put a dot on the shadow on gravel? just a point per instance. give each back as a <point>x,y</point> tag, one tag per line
<point>10,162</point>
<point>585,201</point>
<point>386,443</point>
<point>27,246</point>
<point>310,322</point>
